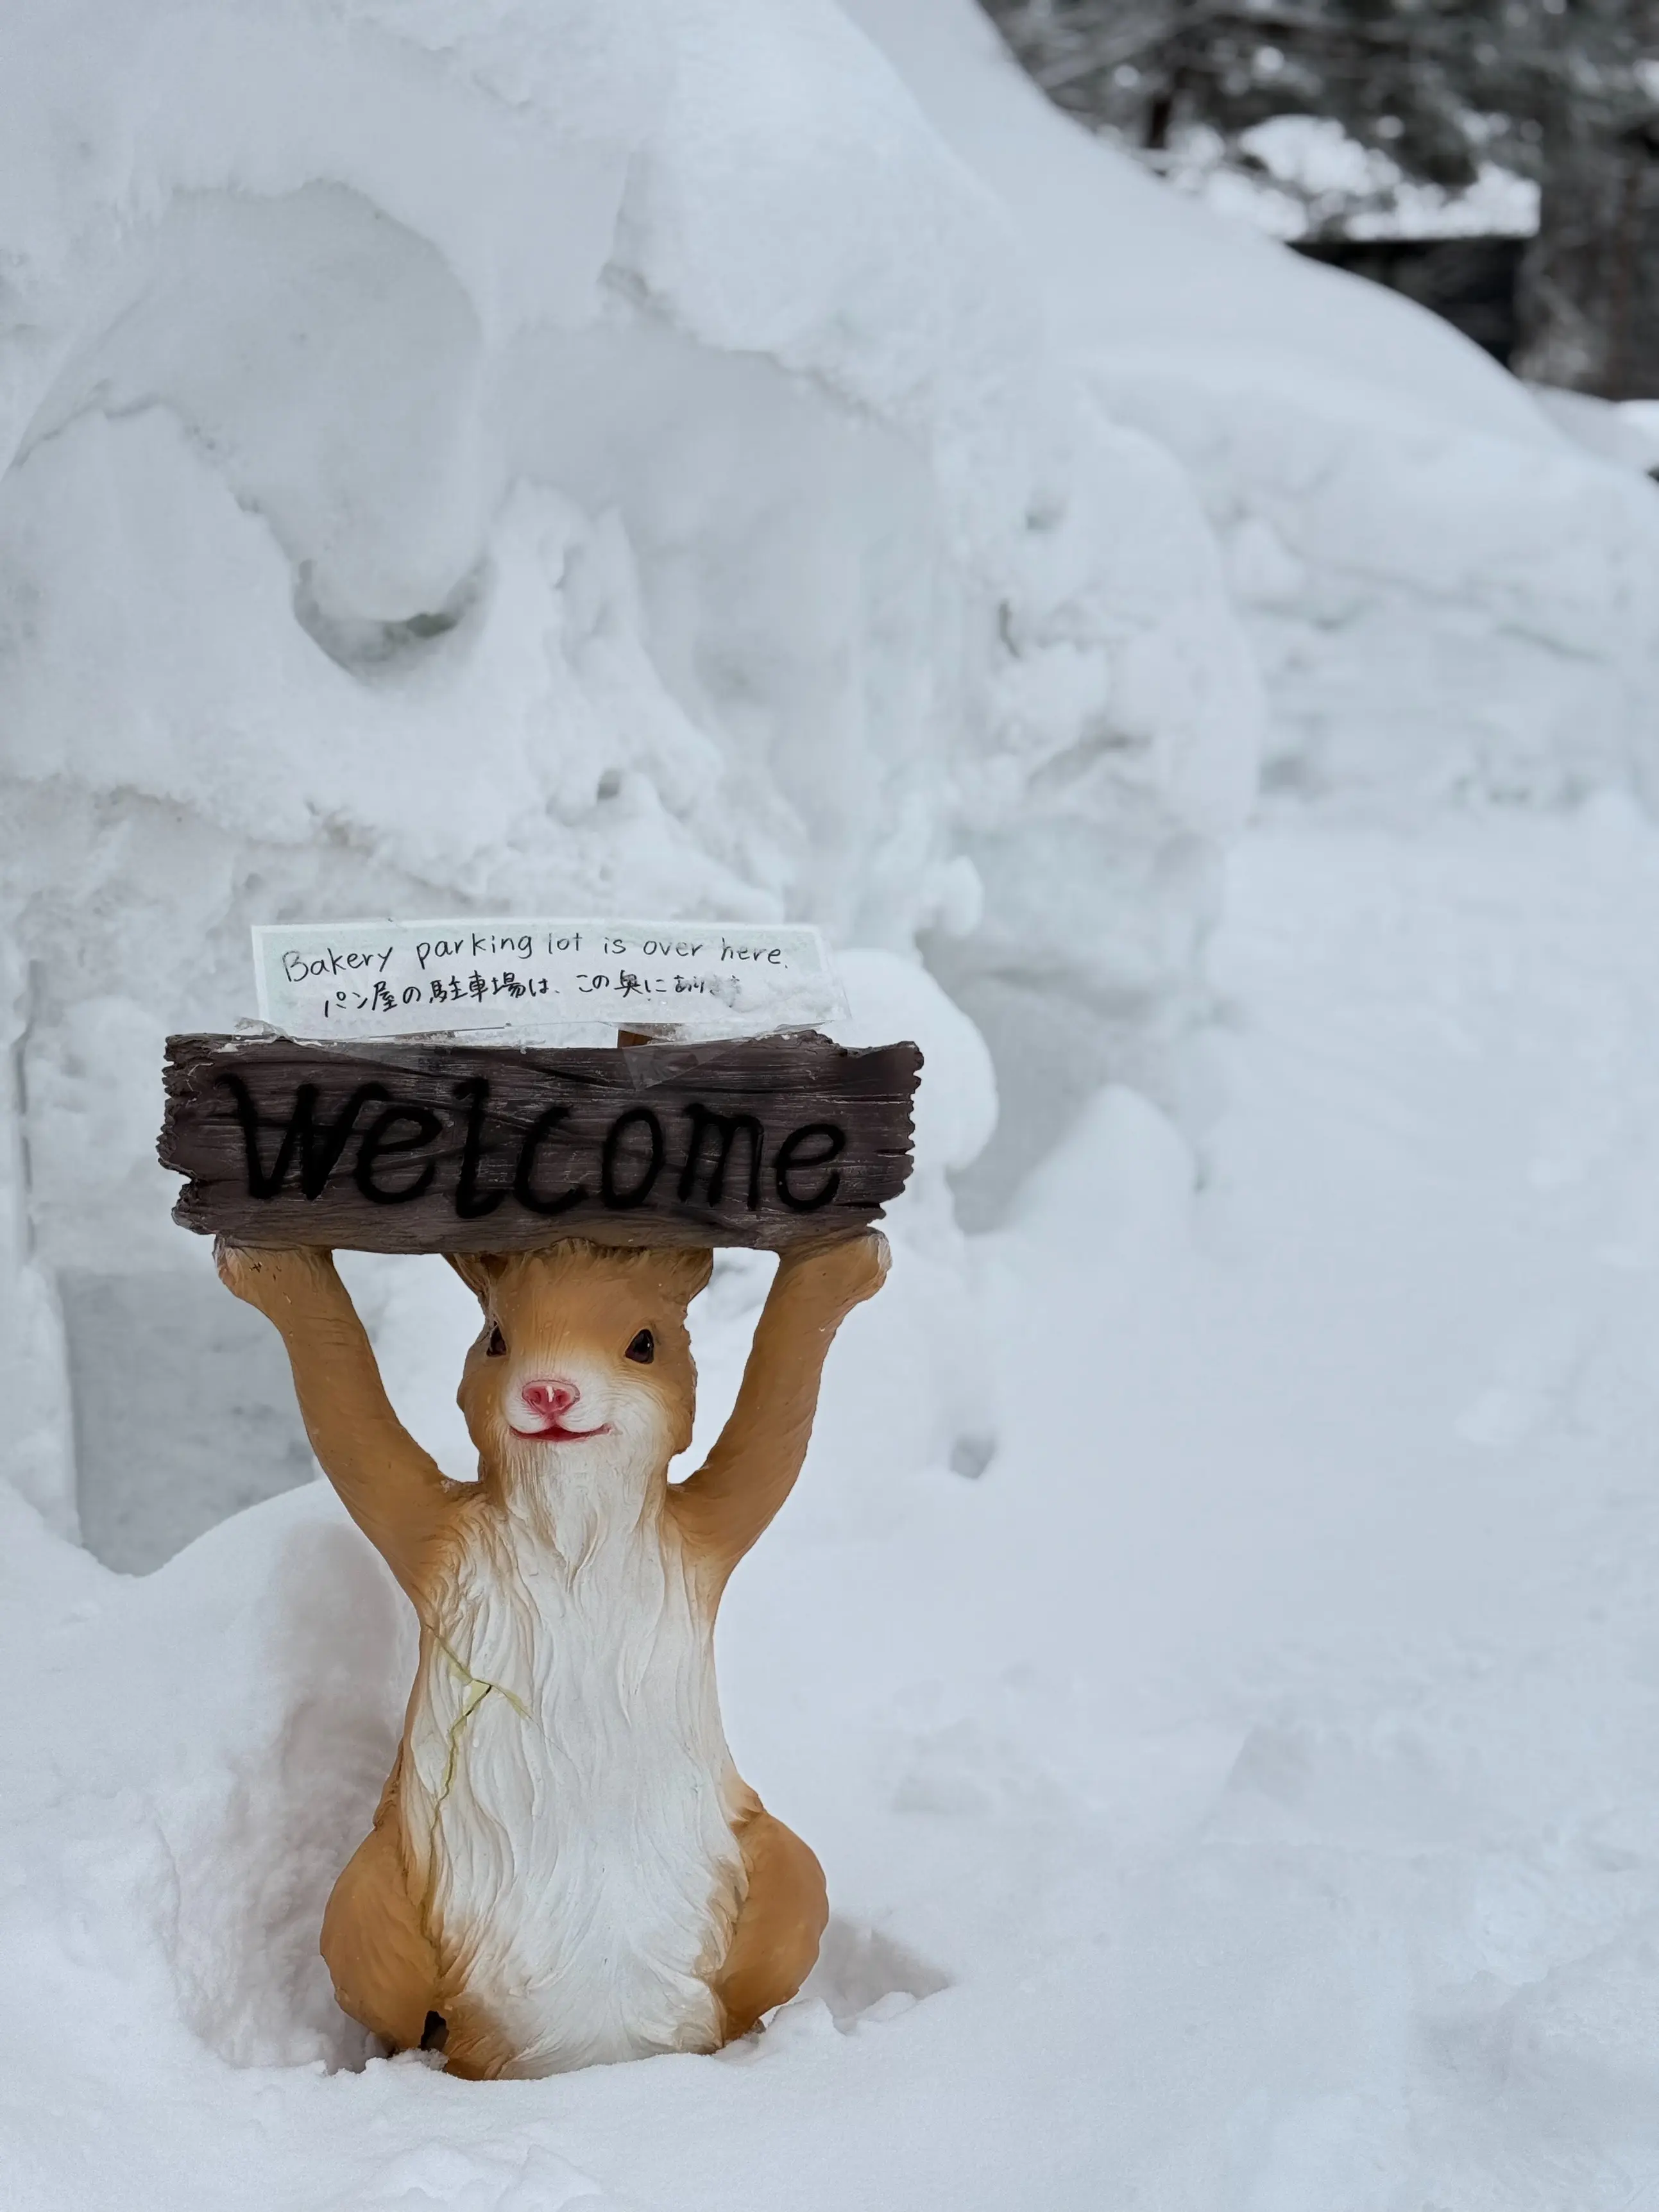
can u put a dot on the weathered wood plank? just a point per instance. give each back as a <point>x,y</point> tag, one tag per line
<point>413,1147</point>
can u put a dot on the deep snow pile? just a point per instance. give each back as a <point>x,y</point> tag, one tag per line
<point>462,452</point>
<point>1242,1799</point>
<point>549,455</point>
<point>1445,595</point>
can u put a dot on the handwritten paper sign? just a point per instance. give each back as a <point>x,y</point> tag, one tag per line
<point>363,980</point>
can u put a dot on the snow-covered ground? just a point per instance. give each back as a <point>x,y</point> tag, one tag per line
<point>1242,1798</point>
<point>476,452</point>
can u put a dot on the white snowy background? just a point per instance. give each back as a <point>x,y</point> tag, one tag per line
<point>751,457</point>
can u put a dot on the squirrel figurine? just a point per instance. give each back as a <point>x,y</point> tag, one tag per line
<point>566,1868</point>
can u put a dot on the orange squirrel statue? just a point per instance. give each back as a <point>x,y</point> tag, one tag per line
<point>565,1867</point>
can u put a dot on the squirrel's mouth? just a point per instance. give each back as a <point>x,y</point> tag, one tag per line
<point>556,1433</point>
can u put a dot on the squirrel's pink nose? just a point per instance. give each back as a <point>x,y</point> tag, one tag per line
<point>549,1401</point>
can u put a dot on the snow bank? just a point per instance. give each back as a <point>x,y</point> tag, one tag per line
<point>1626,431</point>
<point>1243,1797</point>
<point>478,455</point>
<point>1445,594</point>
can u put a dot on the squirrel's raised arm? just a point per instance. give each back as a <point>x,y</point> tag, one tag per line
<point>724,1507</point>
<point>391,1489</point>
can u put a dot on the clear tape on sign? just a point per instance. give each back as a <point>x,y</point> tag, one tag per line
<point>542,980</point>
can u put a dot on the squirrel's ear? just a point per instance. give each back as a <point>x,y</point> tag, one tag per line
<point>478,1270</point>
<point>688,1271</point>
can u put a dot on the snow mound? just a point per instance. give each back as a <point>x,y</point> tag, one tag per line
<point>474,454</point>
<point>1446,594</point>
<point>1243,1796</point>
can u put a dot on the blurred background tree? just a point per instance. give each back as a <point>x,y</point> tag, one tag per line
<point>1562,92</point>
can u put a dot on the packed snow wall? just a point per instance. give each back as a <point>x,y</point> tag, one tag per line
<point>591,454</point>
<point>1445,596</point>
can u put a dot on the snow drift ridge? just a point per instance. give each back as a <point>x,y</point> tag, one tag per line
<point>558,455</point>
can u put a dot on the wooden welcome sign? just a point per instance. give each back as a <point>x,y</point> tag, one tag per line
<point>385,1146</point>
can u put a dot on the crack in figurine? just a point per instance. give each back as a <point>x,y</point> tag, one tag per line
<point>565,1867</point>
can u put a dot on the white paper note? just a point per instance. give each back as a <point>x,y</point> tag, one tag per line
<point>521,979</point>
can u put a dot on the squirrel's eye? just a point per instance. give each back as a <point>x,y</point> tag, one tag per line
<point>497,1344</point>
<point>643,1348</point>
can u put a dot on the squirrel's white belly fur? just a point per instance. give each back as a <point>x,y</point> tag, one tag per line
<point>567,1794</point>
